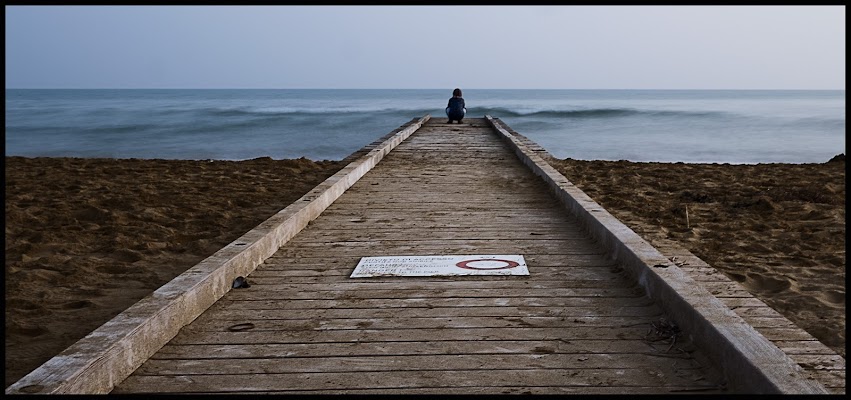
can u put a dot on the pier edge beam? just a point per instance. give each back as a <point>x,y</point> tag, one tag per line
<point>104,358</point>
<point>749,362</point>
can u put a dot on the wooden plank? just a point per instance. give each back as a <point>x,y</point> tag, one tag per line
<point>507,282</point>
<point>469,219</point>
<point>97,362</point>
<point>338,275</point>
<point>401,223</point>
<point>472,215</point>
<point>450,246</point>
<point>542,244</point>
<point>321,262</point>
<point>446,347</point>
<point>471,192</point>
<point>410,362</point>
<point>427,302</point>
<point>508,390</point>
<point>439,182</point>
<point>267,279</point>
<point>316,271</point>
<point>519,283</point>
<point>480,150</point>
<point>470,196</point>
<point>363,320</point>
<point>311,266</point>
<point>575,314</point>
<point>406,235</point>
<point>268,276</point>
<point>477,159</point>
<point>468,191</point>
<point>330,293</point>
<point>511,186</point>
<point>474,174</point>
<point>399,380</point>
<point>410,335</point>
<point>381,227</point>
<point>410,205</point>
<point>413,206</point>
<point>349,255</point>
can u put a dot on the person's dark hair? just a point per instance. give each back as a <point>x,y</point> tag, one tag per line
<point>456,92</point>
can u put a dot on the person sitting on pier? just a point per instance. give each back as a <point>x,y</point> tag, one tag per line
<point>456,108</point>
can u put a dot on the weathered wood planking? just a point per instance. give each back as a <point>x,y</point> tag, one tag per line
<point>407,362</point>
<point>578,324</point>
<point>549,380</point>
<point>547,274</point>
<point>95,363</point>
<point>825,366</point>
<point>557,303</point>
<point>349,261</point>
<point>585,314</point>
<point>445,347</point>
<point>748,360</point>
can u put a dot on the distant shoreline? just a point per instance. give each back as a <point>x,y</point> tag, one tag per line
<point>838,157</point>
<point>471,88</point>
<point>692,126</point>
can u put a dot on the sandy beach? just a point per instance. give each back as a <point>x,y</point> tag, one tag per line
<point>87,238</point>
<point>778,229</point>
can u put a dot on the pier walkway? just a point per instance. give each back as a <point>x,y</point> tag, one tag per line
<point>576,324</point>
<point>587,319</point>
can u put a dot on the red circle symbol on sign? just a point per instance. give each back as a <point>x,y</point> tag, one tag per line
<point>466,264</point>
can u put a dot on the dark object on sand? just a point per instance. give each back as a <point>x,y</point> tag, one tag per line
<point>240,283</point>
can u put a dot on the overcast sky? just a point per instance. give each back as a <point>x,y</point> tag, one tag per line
<point>483,47</point>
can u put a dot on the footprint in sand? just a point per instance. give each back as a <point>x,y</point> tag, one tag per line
<point>766,284</point>
<point>21,304</point>
<point>127,255</point>
<point>26,329</point>
<point>77,305</point>
<point>832,298</point>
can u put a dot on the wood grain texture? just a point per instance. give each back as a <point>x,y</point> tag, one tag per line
<point>576,323</point>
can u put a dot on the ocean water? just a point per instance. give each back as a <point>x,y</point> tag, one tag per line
<point>693,126</point>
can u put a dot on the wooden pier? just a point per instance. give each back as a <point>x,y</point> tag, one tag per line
<point>586,320</point>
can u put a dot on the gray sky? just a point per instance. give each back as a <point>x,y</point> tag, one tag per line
<point>483,47</point>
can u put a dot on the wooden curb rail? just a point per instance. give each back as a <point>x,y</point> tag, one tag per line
<point>750,362</point>
<point>98,362</point>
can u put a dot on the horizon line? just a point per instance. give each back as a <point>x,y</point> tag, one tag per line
<point>367,88</point>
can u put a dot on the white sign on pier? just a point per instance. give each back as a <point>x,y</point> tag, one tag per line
<point>440,266</point>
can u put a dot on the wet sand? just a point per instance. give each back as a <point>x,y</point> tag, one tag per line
<point>87,238</point>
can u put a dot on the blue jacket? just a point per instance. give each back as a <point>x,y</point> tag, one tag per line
<point>456,106</point>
